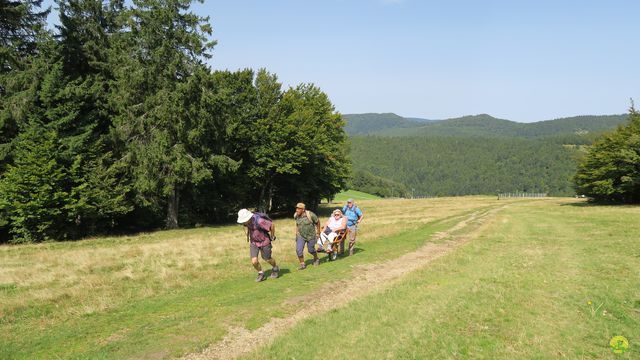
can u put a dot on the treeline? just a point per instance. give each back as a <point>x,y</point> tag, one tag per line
<point>445,166</point>
<point>365,181</point>
<point>116,123</point>
<point>488,126</point>
<point>362,124</point>
<point>578,127</point>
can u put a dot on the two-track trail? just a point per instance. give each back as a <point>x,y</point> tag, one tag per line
<point>367,278</point>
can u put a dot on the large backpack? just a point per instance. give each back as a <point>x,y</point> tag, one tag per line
<point>344,209</point>
<point>263,215</point>
<point>255,221</point>
<point>307,213</point>
<point>355,208</point>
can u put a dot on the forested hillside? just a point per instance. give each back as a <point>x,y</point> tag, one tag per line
<point>440,166</point>
<point>476,154</point>
<point>369,123</point>
<point>480,125</point>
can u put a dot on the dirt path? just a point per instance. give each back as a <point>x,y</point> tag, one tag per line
<point>367,279</point>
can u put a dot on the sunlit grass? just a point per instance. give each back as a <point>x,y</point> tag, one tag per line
<point>542,280</point>
<point>356,195</point>
<point>133,296</point>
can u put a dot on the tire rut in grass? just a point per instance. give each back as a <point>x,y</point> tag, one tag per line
<point>365,280</point>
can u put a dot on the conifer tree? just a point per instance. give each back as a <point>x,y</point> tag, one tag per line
<point>163,48</point>
<point>21,26</point>
<point>32,190</point>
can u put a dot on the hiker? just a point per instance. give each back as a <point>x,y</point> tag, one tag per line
<point>307,232</point>
<point>336,223</point>
<point>354,217</point>
<point>260,232</point>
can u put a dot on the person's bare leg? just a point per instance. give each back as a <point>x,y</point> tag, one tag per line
<point>256,264</point>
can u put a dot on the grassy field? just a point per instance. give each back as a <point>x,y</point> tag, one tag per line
<point>546,279</point>
<point>169,293</point>
<point>536,279</point>
<point>355,195</point>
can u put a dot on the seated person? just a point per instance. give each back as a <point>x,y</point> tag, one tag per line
<point>336,223</point>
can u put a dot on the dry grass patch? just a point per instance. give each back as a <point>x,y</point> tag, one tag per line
<point>82,278</point>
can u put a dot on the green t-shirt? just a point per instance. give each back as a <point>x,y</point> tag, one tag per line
<point>306,227</point>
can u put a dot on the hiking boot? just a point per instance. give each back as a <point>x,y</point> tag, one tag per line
<point>275,272</point>
<point>302,266</point>
<point>316,262</point>
<point>260,277</point>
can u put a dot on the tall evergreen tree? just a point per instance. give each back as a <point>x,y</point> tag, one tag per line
<point>21,25</point>
<point>164,46</point>
<point>78,109</point>
<point>32,190</point>
<point>19,105</point>
<point>22,28</point>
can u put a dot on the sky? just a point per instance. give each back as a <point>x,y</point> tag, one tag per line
<point>518,60</point>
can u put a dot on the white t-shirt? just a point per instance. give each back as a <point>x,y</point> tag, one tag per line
<point>335,223</point>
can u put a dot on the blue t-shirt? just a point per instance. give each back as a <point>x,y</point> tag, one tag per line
<point>352,214</point>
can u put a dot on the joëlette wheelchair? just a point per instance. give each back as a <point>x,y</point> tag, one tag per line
<point>337,246</point>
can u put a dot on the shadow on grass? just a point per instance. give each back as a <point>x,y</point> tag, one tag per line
<point>323,259</point>
<point>283,272</point>
<point>593,204</point>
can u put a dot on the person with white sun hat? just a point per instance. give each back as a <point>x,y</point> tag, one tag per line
<point>260,232</point>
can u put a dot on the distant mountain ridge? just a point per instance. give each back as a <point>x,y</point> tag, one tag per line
<point>390,124</point>
<point>362,124</point>
<point>475,154</point>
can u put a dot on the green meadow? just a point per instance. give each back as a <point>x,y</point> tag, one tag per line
<point>550,278</point>
<point>354,194</point>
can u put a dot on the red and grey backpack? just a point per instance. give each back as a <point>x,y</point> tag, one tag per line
<point>262,216</point>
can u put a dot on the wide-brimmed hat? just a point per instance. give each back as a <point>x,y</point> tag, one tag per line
<point>244,215</point>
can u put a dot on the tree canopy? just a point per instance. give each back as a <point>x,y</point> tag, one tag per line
<point>115,122</point>
<point>610,171</point>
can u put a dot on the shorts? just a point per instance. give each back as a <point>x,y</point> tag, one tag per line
<point>264,250</point>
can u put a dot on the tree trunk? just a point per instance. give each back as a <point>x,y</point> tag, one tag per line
<point>171,221</point>
<point>266,193</point>
<point>313,203</point>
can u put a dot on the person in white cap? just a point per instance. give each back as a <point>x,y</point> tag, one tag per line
<point>260,232</point>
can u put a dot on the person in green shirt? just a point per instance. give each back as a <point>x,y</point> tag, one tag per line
<point>307,232</point>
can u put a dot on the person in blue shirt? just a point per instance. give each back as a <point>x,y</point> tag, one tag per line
<point>354,217</point>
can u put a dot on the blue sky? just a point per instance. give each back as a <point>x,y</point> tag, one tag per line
<point>518,60</point>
